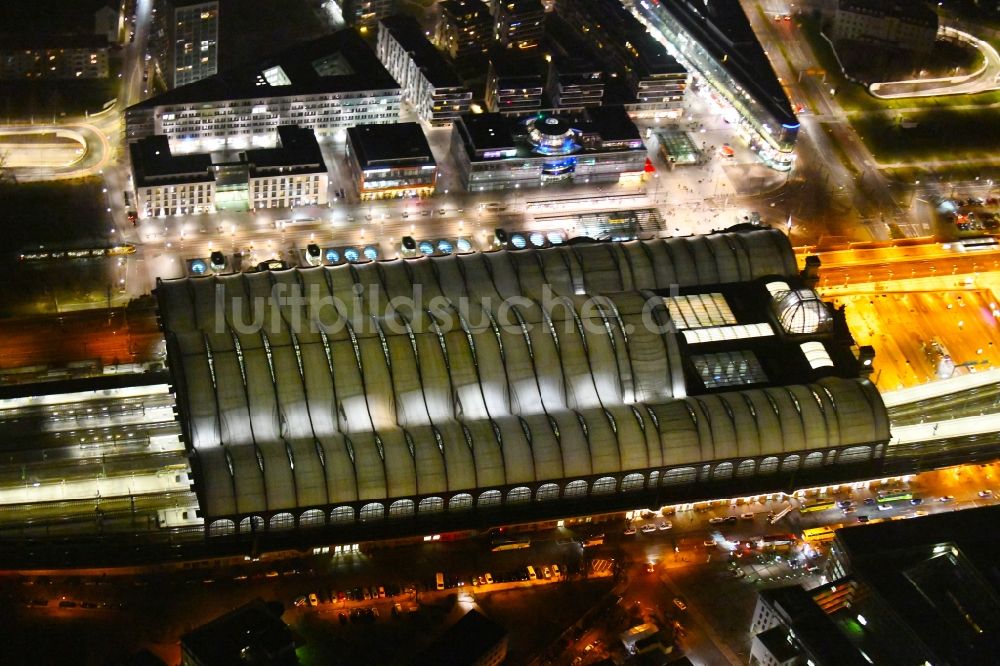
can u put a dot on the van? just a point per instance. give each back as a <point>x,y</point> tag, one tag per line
<point>531,573</point>
<point>440,581</point>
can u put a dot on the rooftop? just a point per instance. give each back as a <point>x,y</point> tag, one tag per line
<point>937,571</point>
<point>297,146</point>
<point>908,10</point>
<point>153,161</point>
<point>813,628</point>
<point>34,40</point>
<point>408,33</point>
<point>339,62</point>
<point>464,642</point>
<point>776,640</point>
<point>253,633</point>
<point>388,145</point>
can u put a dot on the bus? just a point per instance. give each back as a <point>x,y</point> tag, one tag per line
<point>776,541</point>
<point>500,545</point>
<point>894,496</point>
<point>781,514</point>
<point>817,505</point>
<point>818,534</point>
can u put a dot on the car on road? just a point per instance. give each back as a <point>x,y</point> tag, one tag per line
<point>843,504</point>
<point>648,527</point>
<point>986,493</point>
<point>313,599</point>
<point>916,500</point>
<point>442,211</point>
<point>746,516</point>
<point>665,525</point>
<point>629,531</point>
<point>884,507</point>
<point>946,498</point>
<point>708,543</point>
<point>716,520</point>
<point>848,509</point>
<point>870,501</point>
<point>680,603</point>
<point>300,601</point>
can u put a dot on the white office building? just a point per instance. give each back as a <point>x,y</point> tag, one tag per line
<point>427,79</point>
<point>327,85</point>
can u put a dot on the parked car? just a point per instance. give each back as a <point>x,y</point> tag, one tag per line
<point>746,516</point>
<point>313,599</point>
<point>489,578</point>
<point>731,519</point>
<point>629,531</point>
<point>665,525</point>
<point>648,527</point>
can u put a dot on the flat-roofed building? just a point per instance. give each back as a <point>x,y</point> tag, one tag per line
<point>515,85</point>
<point>292,173</point>
<point>575,75</point>
<point>910,26</point>
<point>391,161</point>
<point>254,633</point>
<point>464,28</point>
<point>168,184</point>
<point>193,33</point>
<point>475,640</point>
<point>30,57</point>
<point>518,24</point>
<point>497,152</point>
<point>327,85</point>
<point>428,81</point>
<point>655,81</point>
<point>364,14</point>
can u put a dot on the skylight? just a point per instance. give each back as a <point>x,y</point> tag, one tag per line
<point>276,76</point>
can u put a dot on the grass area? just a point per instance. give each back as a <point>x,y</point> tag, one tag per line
<point>61,214</point>
<point>938,134</point>
<point>854,97</point>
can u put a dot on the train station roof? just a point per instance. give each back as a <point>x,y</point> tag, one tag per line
<point>319,386</point>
